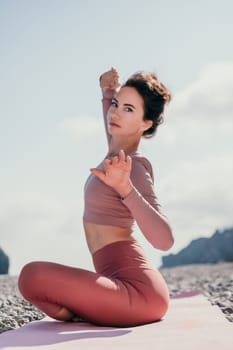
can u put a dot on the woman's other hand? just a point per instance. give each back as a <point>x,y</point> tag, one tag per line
<point>117,173</point>
<point>110,80</point>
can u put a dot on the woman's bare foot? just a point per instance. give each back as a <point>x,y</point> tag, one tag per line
<point>64,314</point>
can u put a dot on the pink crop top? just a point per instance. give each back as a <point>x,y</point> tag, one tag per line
<point>104,206</point>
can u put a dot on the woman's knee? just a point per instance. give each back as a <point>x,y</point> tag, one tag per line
<point>30,279</point>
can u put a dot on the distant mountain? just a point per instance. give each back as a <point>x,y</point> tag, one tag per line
<point>218,248</point>
<point>4,263</point>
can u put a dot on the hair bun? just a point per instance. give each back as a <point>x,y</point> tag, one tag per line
<point>156,85</point>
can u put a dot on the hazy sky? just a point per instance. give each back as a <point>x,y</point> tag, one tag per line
<point>51,55</point>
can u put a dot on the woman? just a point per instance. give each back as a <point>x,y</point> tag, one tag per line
<point>125,290</point>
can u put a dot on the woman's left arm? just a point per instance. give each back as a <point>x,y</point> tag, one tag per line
<point>133,180</point>
<point>144,206</point>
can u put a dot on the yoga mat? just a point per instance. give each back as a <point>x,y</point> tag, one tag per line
<point>191,323</point>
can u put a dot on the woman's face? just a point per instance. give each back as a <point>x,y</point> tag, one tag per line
<point>126,113</point>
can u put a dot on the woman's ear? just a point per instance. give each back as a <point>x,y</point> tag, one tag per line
<point>147,124</point>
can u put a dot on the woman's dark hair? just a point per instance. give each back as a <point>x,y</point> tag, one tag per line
<point>155,95</point>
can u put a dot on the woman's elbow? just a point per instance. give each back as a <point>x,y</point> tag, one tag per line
<point>168,243</point>
<point>167,240</point>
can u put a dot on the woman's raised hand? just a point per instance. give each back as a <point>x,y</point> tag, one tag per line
<point>117,173</point>
<point>110,80</point>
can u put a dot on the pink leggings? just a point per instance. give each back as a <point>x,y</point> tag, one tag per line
<point>124,291</point>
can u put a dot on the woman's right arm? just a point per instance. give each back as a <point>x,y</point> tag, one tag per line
<point>109,82</point>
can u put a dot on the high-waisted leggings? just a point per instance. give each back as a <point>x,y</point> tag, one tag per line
<point>124,291</point>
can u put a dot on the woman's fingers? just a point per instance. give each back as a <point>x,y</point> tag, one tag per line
<point>129,162</point>
<point>114,78</point>
<point>122,156</point>
<point>107,162</point>
<point>120,161</point>
<point>110,79</point>
<point>115,160</point>
<point>116,171</point>
<point>97,172</point>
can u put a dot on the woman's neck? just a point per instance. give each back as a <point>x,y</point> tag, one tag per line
<point>128,147</point>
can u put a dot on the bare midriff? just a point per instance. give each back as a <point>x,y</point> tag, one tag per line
<point>98,236</point>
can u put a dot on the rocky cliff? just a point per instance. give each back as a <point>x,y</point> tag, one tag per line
<point>217,248</point>
<point>4,263</point>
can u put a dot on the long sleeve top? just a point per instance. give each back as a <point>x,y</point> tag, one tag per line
<point>104,206</point>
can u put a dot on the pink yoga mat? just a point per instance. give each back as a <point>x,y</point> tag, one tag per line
<point>191,323</point>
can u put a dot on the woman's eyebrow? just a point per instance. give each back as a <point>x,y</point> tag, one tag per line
<point>129,105</point>
<point>125,104</point>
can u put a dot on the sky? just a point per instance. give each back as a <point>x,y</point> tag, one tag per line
<point>52,53</point>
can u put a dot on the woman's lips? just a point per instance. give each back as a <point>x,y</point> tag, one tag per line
<point>114,124</point>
